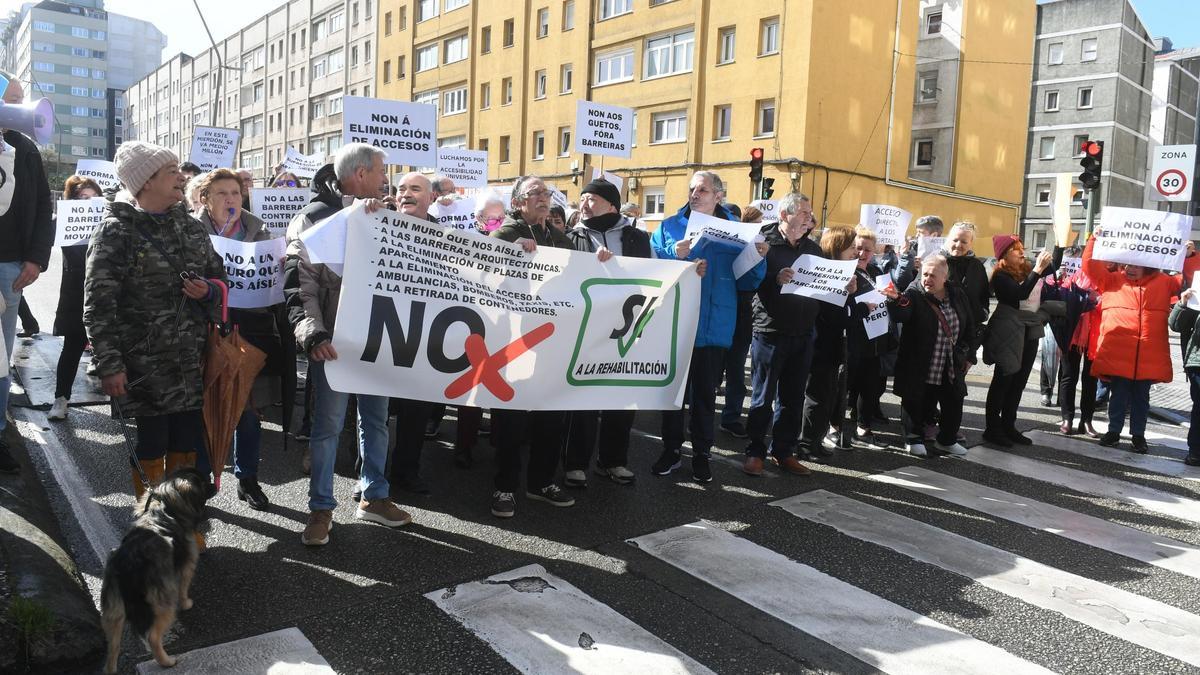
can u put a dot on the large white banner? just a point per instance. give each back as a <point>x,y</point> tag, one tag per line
<point>302,166</point>
<point>603,129</point>
<point>102,171</point>
<point>214,148</point>
<point>890,223</point>
<point>405,131</point>
<point>467,168</point>
<point>1155,239</point>
<point>254,270</point>
<point>821,279</point>
<point>277,206</point>
<point>78,220</point>
<point>432,313</point>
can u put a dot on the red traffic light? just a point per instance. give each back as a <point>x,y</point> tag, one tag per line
<point>756,154</point>
<point>1092,148</point>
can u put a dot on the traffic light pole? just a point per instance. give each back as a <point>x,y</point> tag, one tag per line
<point>1093,203</point>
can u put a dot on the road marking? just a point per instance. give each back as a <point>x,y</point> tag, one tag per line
<point>866,626</point>
<point>1128,616</point>
<point>540,623</point>
<point>281,651</point>
<point>1167,466</point>
<point>1163,552</point>
<point>1088,483</point>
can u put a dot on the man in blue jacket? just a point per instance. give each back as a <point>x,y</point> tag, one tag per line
<point>714,332</point>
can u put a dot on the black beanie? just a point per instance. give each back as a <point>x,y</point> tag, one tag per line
<point>605,190</point>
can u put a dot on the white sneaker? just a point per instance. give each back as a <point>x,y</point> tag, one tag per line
<point>917,450</point>
<point>618,474</point>
<point>576,478</point>
<point>955,449</point>
<point>58,411</point>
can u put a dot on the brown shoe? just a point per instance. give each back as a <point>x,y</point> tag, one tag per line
<point>792,466</point>
<point>316,533</point>
<point>382,511</point>
<point>753,466</point>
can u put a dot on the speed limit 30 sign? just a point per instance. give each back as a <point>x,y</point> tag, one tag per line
<point>1171,172</point>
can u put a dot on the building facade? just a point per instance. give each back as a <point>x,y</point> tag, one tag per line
<point>1093,77</point>
<point>279,80</point>
<point>73,53</point>
<point>829,89</point>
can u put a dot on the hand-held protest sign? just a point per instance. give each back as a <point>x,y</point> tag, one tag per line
<point>890,223</point>
<point>611,177</point>
<point>214,147</point>
<point>1064,196</point>
<point>1171,173</point>
<point>927,246</point>
<point>877,322</point>
<point>459,214</point>
<point>99,170</point>
<point>431,313</point>
<point>277,206</point>
<point>883,282</point>
<point>254,270</point>
<point>407,132</point>
<point>603,129</point>
<point>769,209</point>
<point>1069,267</point>
<point>702,227</point>
<point>821,279</point>
<point>467,168</point>
<point>78,220</point>
<point>1156,239</point>
<point>1194,300</point>
<point>302,166</point>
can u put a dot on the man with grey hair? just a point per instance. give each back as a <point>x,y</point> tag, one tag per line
<point>311,292</point>
<point>443,189</point>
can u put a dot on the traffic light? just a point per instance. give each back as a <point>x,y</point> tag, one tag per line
<point>756,164</point>
<point>1092,163</point>
<point>767,191</point>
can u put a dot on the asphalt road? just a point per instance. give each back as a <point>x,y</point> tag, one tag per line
<point>720,578</point>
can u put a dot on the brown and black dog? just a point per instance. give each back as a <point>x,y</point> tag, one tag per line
<point>147,577</point>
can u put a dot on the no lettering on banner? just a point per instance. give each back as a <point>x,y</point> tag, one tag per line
<point>1155,239</point>
<point>405,131</point>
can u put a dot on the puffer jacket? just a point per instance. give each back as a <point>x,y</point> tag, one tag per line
<point>310,290</point>
<point>1183,320</point>
<point>139,320</point>
<point>1133,330</point>
<point>719,287</point>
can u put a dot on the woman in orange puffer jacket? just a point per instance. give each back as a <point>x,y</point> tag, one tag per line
<point>1133,351</point>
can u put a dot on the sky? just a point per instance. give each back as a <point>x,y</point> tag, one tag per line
<point>1176,19</point>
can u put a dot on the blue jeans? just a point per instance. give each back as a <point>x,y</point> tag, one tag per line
<point>9,271</point>
<point>329,416</point>
<point>735,360</point>
<point>779,366</point>
<point>1194,431</point>
<point>1131,396</point>
<point>247,442</point>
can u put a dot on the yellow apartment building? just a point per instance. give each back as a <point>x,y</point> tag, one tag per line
<point>921,104</point>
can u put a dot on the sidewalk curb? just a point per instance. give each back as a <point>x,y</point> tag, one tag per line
<point>1169,416</point>
<point>35,565</point>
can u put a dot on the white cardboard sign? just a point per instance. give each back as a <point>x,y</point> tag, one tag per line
<point>302,166</point>
<point>214,147</point>
<point>277,206</point>
<point>701,224</point>
<point>78,220</point>
<point>927,246</point>
<point>769,209</point>
<point>1155,239</point>
<point>603,129</point>
<point>467,168</point>
<point>1070,266</point>
<point>102,171</point>
<point>1194,300</point>
<point>610,177</point>
<point>890,223</point>
<point>405,131</point>
<point>1171,173</point>
<point>459,213</point>
<point>254,270</point>
<point>876,323</point>
<point>821,279</point>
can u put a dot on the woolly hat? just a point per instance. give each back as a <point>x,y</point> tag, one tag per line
<point>1002,242</point>
<point>604,190</point>
<point>138,161</point>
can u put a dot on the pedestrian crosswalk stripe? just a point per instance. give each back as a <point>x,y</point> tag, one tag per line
<point>540,623</point>
<point>874,630</point>
<point>1167,466</point>
<point>1128,616</point>
<point>1163,552</point>
<point>1088,483</point>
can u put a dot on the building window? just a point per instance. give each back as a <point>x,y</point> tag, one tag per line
<point>316,110</point>
<point>485,96</point>
<point>510,32</point>
<point>923,153</point>
<point>933,23</point>
<point>669,55</point>
<point>1054,54</point>
<point>454,4</point>
<point>1046,148</point>
<point>454,101</point>
<point>543,22</point>
<point>654,203</point>
<point>400,70</point>
<point>611,8</point>
<point>337,61</point>
<point>429,97</point>
<point>427,57</point>
<point>539,84</point>
<point>568,21</point>
<point>505,148</point>
<point>506,91</point>
<point>1042,190</point>
<point>765,124</point>
<point>927,87</point>
<point>387,24</point>
<point>1077,149</point>
<point>539,145</point>
<point>1085,98</point>
<point>722,122</point>
<point>402,22</point>
<point>482,144</point>
<point>769,40</point>
<point>726,44</point>
<point>426,9</point>
<point>485,40</point>
<point>668,127</point>
<point>337,22</point>
<point>566,78</point>
<point>456,49</point>
<point>564,141</point>
<point>614,67</point>
<point>452,142</point>
<point>334,101</point>
<point>1076,194</point>
<point>1051,102</point>
<point>1087,49</point>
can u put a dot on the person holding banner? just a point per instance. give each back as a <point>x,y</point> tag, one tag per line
<point>909,264</point>
<point>937,348</point>
<point>1184,318</point>
<point>1133,351</point>
<point>311,291</point>
<point>222,216</point>
<point>147,306</point>
<point>68,320</point>
<point>718,315</point>
<point>1072,334</point>
<point>864,386</point>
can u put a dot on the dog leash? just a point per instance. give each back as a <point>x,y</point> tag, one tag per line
<point>133,458</point>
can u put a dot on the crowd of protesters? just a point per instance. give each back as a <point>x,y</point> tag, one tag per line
<point>141,295</point>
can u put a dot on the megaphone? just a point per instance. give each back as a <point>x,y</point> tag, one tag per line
<point>34,119</point>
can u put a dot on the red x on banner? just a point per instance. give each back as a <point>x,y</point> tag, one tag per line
<point>485,368</point>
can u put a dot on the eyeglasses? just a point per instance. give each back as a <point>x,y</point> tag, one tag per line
<point>285,183</point>
<point>537,194</point>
